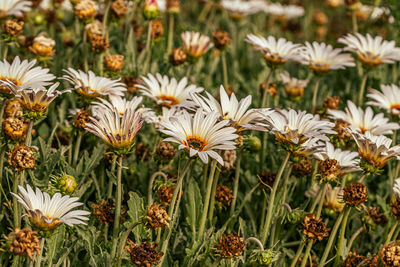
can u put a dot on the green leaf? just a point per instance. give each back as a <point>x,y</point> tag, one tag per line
<point>194,205</point>
<point>135,211</point>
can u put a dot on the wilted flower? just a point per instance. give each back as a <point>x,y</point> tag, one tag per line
<point>167,91</point>
<point>12,28</point>
<point>294,87</point>
<point>23,242</point>
<point>165,150</point>
<point>303,167</point>
<point>223,195</point>
<point>390,254</point>
<point>45,213</point>
<point>105,211</point>
<point>363,121</point>
<point>145,254</point>
<point>114,62</point>
<point>157,29</point>
<point>230,246</point>
<point>195,44</point>
<point>81,118</point>
<point>331,102</point>
<point>355,194</point>
<point>165,194</point>
<point>86,9</point>
<point>157,217</point>
<point>43,46</point>
<point>15,128</point>
<point>313,228</point>
<point>22,157</point>
<point>353,259</point>
<point>371,51</point>
<point>119,8</point>
<point>177,56</point>
<point>221,39</point>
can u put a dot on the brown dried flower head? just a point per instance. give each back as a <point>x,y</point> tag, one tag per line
<point>143,152</point>
<point>355,194</point>
<point>13,108</point>
<point>118,8</point>
<point>157,217</point>
<point>165,194</point>
<point>105,211</point>
<point>221,39</point>
<point>329,168</point>
<point>173,6</point>
<point>390,254</point>
<point>271,88</point>
<point>99,43</point>
<point>23,242</point>
<point>15,128</point>
<point>331,102</point>
<point>304,167</point>
<point>230,246</point>
<point>377,217</point>
<point>81,118</point>
<point>340,128</point>
<point>320,17</point>
<point>157,29</point>
<point>395,204</point>
<point>223,195</point>
<point>114,62</point>
<point>229,158</point>
<point>353,259</point>
<point>165,150</point>
<point>85,9</point>
<point>131,82</point>
<point>266,180</point>
<point>144,254</point>
<point>313,228</point>
<point>13,27</point>
<point>177,56</point>
<point>22,157</point>
<point>43,46</point>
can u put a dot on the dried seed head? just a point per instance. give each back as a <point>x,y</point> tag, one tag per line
<point>143,152</point>
<point>118,8</point>
<point>390,254</point>
<point>15,128</point>
<point>23,242</point>
<point>173,6</point>
<point>377,217</point>
<point>12,28</point>
<point>353,259</point>
<point>114,62</point>
<point>131,82</point>
<point>81,118</point>
<point>329,169</point>
<point>266,180</point>
<point>13,108</point>
<point>230,246</point>
<point>157,217</point>
<point>145,254</point>
<point>22,157</point>
<point>271,88</point>
<point>43,46</point>
<point>177,56</point>
<point>157,29</point>
<point>85,9</point>
<point>331,102</point>
<point>99,43</point>
<point>105,211</point>
<point>229,157</point>
<point>165,194</point>
<point>304,167</point>
<point>395,204</point>
<point>340,127</point>
<point>355,194</point>
<point>165,150</point>
<point>313,228</point>
<point>223,195</point>
<point>221,39</point>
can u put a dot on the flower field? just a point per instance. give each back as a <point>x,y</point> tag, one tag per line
<point>199,133</point>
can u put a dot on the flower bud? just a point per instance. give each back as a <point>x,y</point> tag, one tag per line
<point>150,10</point>
<point>252,143</point>
<point>65,184</point>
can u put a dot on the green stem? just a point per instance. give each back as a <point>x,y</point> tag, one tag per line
<point>341,235</point>
<point>390,235</point>
<point>212,200</point>
<point>85,52</point>
<point>236,183</point>
<point>224,68</point>
<point>354,21</point>
<point>188,70</point>
<point>362,88</point>
<point>117,209</point>
<point>77,146</point>
<point>39,256</point>
<point>306,253</point>
<point>272,199</point>
<point>170,33</point>
<point>265,93</point>
<point>123,241</point>
<point>2,154</point>
<point>5,52</point>
<point>28,140</point>
<point>207,199</point>
<point>178,188</point>
<point>17,219</point>
<point>150,187</point>
<point>148,49</point>
<point>315,95</point>
<point>332,237</point>
<point>296,257</point>
<point>110,183</point>
<point>321,200</point>
<point>354,236</point>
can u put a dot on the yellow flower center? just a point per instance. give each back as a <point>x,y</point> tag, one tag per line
<point>4,88</point>
<point>195,142</point>
<point>168,101</point>
<point>320,68</point>
<point>274,59</point>
<point>369,59</point>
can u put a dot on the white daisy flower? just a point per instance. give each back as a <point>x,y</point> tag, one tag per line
<point>35,99</point>
<point>396,187</point>
<point>284,11</point>
<point>195,44</point>
<point>47,213</point>
<point>322,58</point>
<point>14,7</point>
<point>388,99</point>
<point>116,131</point>
<point>236,112</point>
<point>364,120</point>
<point>23,74</point>
<point>119,103</point>
<point>162,5</point>
<point>293,87</point>
<point>371,51</point>
<point>375,151</point>
<point>294,128</point>
<point>275,51</point>
<point>342,161</point>
<point>200,134</point>
<point>167,91</point>
<point>92,86</point>
<point>237,9</point>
